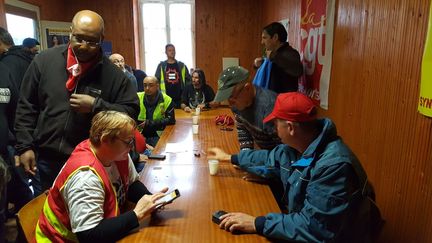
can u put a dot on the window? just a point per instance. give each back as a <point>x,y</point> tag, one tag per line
<point>22,20</point>
<point>163,22</point>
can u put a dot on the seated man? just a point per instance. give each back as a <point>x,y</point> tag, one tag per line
<point>327,193</point>
<point>83,204</point>
<point>198,93</point>
<point>119,61</point>
<point>250,105</point>
<point>156,110</point>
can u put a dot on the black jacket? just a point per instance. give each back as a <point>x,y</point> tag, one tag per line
<point>17,60</point>
<point>193,98</point>
<point>44,120</point>
<point>286,69</point>
<point>8,101</point>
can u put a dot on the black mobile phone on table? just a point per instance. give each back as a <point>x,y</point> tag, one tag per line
<point>157,156</point>
<point>168,198</point>
<point>216,216</point>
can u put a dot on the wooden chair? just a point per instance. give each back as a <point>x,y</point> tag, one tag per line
<point>28,216</point>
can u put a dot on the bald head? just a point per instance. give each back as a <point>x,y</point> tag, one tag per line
<point>87,35</point>
<point>118,60</point>
<point>88,20</point>
<point>151,86</point>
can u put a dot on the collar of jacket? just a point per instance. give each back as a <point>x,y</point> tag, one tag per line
<point>327,134</point>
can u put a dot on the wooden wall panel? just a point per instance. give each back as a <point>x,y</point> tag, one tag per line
<point>226,28</point>
<point>374,90</point>
<point>51,10</point>
<point>2,14</point>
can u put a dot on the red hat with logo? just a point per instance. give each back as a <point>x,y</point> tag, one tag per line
<point>293,106</point>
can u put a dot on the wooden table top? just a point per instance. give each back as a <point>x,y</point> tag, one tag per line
<point>188,218</point>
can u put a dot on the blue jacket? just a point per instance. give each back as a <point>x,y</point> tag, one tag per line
<point>327,193</point>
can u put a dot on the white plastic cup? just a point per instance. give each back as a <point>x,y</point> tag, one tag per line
<point>197,111</point>
<point>195,129</point>
<point>213,166</point>
<point>195,120</point>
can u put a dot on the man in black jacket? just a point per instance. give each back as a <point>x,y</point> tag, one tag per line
<point>16,58</point>
<point>63,88</point>
<point>286,67</point>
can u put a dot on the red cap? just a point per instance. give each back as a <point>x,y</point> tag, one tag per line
<point>293,106</point>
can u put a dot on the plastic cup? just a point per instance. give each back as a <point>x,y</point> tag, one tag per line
<point>195,120</point>
<point>195,129</point>
<point>197,111</point>
<point>213,166</point>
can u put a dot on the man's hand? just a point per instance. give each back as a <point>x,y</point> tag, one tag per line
<point>258,61</point>
<point>187,109</point>
<point>28,160</point>
<point>147,204</point>
<point>142,124</point>
<point>143,158</point>
<point>214,104</point>
<point>238,222</point>
<point>219,154</point>
<point>81,103</point>
<point>201,106</point>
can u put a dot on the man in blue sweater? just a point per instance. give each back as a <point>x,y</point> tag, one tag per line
<point>327,194</point>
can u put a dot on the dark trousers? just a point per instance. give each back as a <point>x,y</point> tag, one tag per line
<point>47,171</point>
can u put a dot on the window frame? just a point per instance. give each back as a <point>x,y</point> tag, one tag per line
<point>166,3</point>
<point>27,10</point>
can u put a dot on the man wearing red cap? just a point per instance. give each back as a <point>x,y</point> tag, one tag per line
<point>327,194</point>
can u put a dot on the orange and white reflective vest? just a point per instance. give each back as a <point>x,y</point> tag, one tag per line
<point>54,223</point>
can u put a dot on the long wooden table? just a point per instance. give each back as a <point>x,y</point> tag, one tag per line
<point>188,219</point>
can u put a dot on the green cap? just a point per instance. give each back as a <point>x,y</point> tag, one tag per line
<point>229,78</point>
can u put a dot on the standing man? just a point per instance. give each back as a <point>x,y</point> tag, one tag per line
<point>63,88</point>
<point>16,58</point>
<point>327,194</point>
<point>31,45</point>
<point>119,61</point>
<point>156,111</point>
<point>286,67</point>
<point>173,76</point>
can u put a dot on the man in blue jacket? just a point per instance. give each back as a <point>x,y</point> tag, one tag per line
<point>327,194</point>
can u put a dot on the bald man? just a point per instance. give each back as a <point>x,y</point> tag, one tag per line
<point>119,61</point>
<point>62,90</point>
<point>156,110</point>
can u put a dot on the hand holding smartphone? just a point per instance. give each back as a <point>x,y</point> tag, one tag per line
<point>168,198</point>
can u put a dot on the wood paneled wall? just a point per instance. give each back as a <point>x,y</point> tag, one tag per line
<point>226,28</point>
<point>374,90</point>
<point>51,10</point>
<point>2,14</point>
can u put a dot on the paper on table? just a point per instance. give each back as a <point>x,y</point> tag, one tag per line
<point>175,148</point>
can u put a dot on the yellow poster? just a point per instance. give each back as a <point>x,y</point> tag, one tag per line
<point>425,100</point>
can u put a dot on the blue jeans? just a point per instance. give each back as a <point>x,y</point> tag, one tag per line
<point>47,171</point>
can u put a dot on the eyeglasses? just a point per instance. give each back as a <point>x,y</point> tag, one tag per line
<point>81,41</point>
<point>129,143</point>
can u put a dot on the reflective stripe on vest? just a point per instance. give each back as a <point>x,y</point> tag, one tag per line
<point>162,79</point>
<point>55,223</point>
<point>158,113</point>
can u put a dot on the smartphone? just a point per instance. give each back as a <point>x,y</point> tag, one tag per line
<point>168,198</point>
<point>216,216</point>
<point>157,156</point>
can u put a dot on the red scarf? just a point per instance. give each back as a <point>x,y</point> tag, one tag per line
<point>76,69</point>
